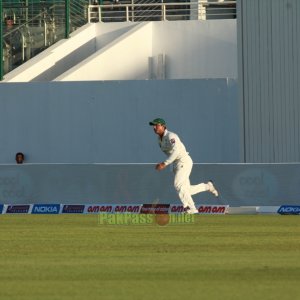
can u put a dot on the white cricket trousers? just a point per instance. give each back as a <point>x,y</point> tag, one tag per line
<point>182,170</point>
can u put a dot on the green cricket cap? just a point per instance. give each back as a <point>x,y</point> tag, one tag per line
<point>157,121</point>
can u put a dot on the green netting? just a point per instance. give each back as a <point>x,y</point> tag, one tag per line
<point>30,26</point>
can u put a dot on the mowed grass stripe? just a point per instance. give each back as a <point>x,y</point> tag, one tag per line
<point>217,257</point>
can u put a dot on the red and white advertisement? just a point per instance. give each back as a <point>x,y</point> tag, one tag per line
<point>98,208</point>
<point>213,209</point>
<point>202,209</point>
<point>151,209</point>
<point>112,208</point>
<point>133,208</point>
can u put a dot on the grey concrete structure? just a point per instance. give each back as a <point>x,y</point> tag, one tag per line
<point>107,122</point>
<point>269,76</point>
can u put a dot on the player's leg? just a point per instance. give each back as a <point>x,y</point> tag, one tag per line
<point>203,187</point>
<point>198,188</point>
<point>182,185</point>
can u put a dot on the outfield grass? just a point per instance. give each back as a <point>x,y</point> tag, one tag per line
<point>217,257</point>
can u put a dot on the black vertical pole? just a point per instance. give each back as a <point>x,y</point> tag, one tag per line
<point>67,18</point>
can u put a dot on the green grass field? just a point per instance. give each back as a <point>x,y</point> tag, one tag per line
<point>217,257</point>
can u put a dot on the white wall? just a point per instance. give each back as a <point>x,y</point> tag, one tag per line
<point>197,49</point>
<point>108,32</point>
<point>121,59</point>
<point>120,51</point>
<point>193,49</point>
<point>56,59</point>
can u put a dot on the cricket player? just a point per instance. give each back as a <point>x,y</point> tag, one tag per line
<point>172,146</point>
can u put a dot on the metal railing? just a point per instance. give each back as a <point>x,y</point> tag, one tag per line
<point>172,11</point>
<point>30,26</point>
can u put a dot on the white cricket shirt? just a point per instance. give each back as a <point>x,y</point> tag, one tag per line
<point>172,146</point>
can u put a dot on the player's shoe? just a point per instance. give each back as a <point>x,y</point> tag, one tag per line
<point>212,188</point>
<point>190,211</point>
<point>186,209</point>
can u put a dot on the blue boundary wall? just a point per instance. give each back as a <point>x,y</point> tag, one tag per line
<point>239,184</point>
